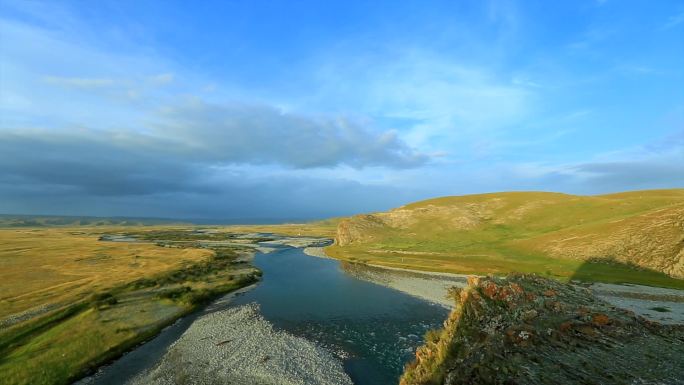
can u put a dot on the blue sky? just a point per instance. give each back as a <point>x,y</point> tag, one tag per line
<point>299,109</point>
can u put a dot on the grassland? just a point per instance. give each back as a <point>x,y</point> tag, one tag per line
<point>50,266</point>
<point>70,302</point>
<point>629,237</point>
<point>325,229</point>
<point>498,264</point>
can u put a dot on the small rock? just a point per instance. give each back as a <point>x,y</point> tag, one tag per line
<point>529,315</point>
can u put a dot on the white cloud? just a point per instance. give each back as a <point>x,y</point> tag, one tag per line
<point>78,82</point>
<point>443,100</point>
<point>674,20</point>
<point>162,79</point>
<point>657,165</point>
<point>257,134</point>
<point>55,79</point>
<point>525,82</point>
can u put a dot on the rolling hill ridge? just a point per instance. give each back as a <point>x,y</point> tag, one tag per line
<point>638,235</point>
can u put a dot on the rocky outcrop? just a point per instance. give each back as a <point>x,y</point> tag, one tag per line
<point>358,228</point>
<point>531,330</point>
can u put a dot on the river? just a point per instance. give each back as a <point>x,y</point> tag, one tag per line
<point>373,329</point>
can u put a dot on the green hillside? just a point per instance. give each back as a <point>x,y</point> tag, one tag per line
<point>627,237</point>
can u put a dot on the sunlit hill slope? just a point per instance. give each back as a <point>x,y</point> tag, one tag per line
<point>631,237</point>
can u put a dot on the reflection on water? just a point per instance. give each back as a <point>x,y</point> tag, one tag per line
<point>373,328</point>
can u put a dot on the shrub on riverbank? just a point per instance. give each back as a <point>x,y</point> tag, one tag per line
<point>103,300</point>
<point>198,296</point>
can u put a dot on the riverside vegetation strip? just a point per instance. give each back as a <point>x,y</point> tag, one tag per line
<point>71,302</point>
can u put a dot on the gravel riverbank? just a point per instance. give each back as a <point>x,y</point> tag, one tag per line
<point>656,304</point>
<point>430,286</point>
<point>238,346</point>
<point>316,252</point>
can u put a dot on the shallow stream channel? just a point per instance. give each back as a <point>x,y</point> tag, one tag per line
<point>374,330</point>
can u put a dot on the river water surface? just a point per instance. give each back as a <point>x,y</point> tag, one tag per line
<point>373,329</point>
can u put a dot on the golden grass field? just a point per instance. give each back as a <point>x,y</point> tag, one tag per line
<point>40,267</point>
<point>53,328</point>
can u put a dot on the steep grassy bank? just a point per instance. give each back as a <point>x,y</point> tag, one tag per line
<point>633,237</point>
<point>66,339</point>
<point>532,330</point>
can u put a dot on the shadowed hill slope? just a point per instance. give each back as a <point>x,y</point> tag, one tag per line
<point>548,233</point>
<point>531,330</point>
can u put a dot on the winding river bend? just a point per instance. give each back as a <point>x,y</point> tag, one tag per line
<point>373,329</point>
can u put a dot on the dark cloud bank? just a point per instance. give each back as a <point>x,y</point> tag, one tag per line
<point>193,162</point>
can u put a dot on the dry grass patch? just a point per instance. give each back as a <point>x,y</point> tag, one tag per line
<point>39,267</point>
<point>71,302</point>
